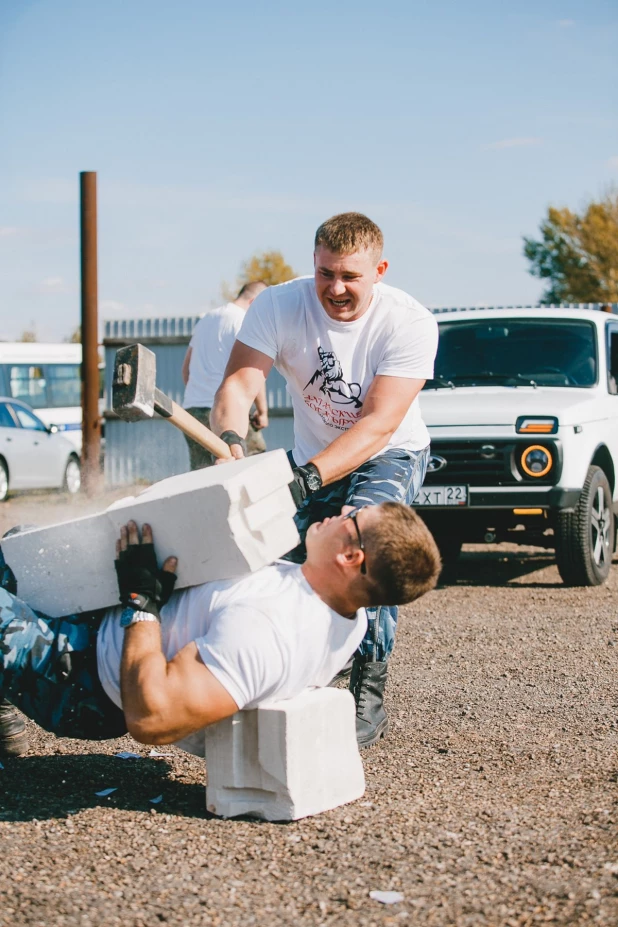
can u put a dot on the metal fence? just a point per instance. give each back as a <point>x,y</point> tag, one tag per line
<point>153,450</point>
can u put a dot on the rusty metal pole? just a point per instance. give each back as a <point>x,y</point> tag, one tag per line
<point>92,478</point>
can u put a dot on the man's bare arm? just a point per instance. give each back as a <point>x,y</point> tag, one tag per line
<point>163,702</point>
<point>385,406</point>
<point>245,375</point>
<point>185,366</point>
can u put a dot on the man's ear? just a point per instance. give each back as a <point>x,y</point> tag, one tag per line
<point>381,269</point>
<point>351,557</point>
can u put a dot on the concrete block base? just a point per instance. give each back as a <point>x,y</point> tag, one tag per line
<point>285,760</point>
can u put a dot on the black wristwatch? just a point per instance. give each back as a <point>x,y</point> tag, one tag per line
<point>307,480</point>
<point>312,477</point>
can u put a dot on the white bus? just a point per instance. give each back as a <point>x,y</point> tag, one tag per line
<point>47,377</point>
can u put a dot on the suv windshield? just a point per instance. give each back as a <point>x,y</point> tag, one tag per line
<point>516,352</point>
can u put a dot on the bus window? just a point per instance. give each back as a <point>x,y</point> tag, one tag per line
<point>28,384</point>
<point>64,385</point>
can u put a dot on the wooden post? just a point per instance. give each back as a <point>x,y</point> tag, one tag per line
<point>92,477</point>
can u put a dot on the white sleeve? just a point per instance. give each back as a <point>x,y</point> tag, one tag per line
<point>259,330</point>
<point>411,350</point>
<point>195,334</point>
<point>241,649</point>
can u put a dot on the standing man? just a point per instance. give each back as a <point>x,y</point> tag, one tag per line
<point>204,366</point>
<point>355,353</point>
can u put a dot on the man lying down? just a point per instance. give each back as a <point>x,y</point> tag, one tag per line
<point>166,664</point>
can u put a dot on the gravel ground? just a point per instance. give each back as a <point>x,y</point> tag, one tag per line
<point>493,801</point>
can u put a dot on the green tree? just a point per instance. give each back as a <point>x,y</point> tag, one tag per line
<point>578,253</point>
<point>268,266</point>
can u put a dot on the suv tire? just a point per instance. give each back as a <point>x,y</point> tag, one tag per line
<point>585,537</point>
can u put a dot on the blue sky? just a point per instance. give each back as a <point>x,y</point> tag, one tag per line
<point>221,129</point>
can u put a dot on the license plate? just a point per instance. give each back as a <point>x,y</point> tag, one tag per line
<point>442,495</point>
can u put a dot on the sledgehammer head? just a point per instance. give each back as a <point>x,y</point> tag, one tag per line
<point>134,383</point>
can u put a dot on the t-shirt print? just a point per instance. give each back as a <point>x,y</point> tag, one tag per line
<point>330,382</point>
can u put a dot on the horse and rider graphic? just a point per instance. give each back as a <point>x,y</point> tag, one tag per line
<point>333,385</point>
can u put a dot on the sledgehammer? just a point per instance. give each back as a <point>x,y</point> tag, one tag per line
<point>135,396</point>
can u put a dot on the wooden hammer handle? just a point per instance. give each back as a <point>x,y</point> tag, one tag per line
<point>194,429</point>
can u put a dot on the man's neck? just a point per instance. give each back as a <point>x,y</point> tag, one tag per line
<point>328,588</point>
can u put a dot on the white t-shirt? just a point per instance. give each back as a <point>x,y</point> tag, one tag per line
<point>264,636</point>
<point>330,365</point>
<point>211,344</point>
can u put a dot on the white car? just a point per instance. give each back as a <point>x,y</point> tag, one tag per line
<point>523,417</point>
<point>32,454</point>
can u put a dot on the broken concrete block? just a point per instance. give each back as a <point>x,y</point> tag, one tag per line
<point>287,759</point>
<point>220,522</point>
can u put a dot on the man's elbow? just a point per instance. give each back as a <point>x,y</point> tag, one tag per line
<point>383,429</point>
<point>151,728</point>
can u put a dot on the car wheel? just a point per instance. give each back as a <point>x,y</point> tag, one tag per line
<point>4,481</point>
<point>585,537</point>
<point>72,476</point>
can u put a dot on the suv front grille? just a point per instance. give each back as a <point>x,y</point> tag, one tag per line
<point>484,463</point>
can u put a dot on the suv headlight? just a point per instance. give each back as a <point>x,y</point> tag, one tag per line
<point>536,461</point>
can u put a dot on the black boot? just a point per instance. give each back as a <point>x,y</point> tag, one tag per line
<point>367,684</point>
<point>13,737</point>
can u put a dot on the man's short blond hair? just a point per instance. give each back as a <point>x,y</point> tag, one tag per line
<point>350,232</point>
<point>403,561</point>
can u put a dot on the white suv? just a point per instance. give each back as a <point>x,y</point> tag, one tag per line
<point>523,417</point>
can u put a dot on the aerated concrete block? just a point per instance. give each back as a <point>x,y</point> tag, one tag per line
<point>285,760</point>
<point>220,522</point>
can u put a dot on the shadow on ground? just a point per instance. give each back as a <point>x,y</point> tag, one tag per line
<point>497,567</point>
<point>44,787</point>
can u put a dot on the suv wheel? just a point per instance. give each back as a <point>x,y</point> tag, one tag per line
<point>585,537</point>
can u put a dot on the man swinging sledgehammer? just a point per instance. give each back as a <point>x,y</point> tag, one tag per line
<point>355,354</point>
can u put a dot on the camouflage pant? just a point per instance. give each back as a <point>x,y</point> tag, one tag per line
<point>394,476</point>
<point>200,457</point>
<point>48,669</point>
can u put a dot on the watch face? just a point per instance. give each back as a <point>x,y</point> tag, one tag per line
<point>126,617</point>
<point>314,482</point>
<point>313,479</point>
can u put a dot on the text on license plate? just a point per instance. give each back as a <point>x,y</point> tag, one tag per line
<point>442,495</point>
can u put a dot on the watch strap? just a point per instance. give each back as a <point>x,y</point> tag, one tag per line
<point>131,616</point>
<point>312,477</point>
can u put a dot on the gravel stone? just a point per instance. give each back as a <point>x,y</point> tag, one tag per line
<point>493,800</point>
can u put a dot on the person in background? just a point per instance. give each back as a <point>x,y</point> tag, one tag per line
<point>204,366</point>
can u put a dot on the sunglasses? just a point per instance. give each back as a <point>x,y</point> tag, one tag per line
<point>353,516</point>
